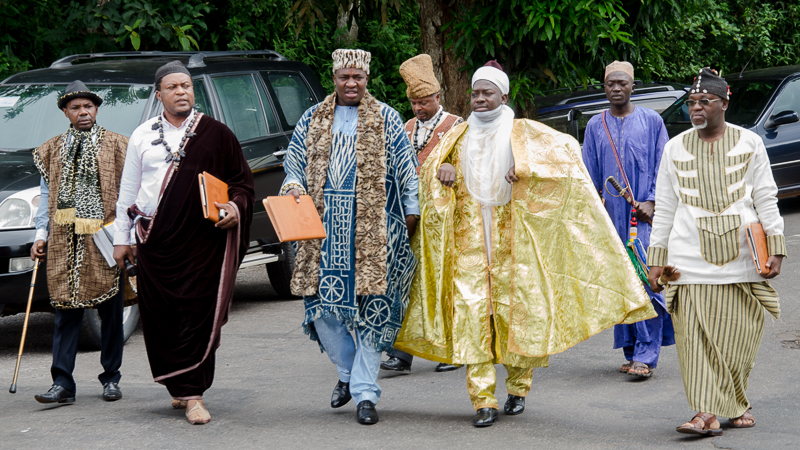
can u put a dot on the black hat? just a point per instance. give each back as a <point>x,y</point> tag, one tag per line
<point>171,67</point>
<point>708,81</point>
<point>77,89</point>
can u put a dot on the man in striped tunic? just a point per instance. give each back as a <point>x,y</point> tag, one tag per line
<point>714,180</point>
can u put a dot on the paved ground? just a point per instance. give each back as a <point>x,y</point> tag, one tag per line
<point>272,390</point>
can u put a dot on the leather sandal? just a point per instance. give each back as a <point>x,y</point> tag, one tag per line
<point>640,369</point>
<point>708,425</point>
<point>626,367</point>
<point>198,415</point>
<point>746,416</point>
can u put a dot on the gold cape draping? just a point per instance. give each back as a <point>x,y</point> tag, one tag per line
<point>559,273</point>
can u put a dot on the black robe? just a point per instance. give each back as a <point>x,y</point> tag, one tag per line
<point>185,290</point>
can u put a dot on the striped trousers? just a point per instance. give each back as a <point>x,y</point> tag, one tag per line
<point>718,330</point>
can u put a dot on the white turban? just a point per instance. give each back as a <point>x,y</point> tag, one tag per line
<point>493,75</point>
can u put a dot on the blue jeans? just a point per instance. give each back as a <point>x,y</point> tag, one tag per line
<point>358,366</point>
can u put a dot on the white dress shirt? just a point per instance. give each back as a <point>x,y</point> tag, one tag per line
<point>144,172</point>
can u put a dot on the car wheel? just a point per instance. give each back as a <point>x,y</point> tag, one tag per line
<point>280,272</point>
<point>90,328</point>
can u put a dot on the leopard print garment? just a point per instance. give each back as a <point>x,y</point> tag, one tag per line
<point>77,274</point>
<point>79,200</point>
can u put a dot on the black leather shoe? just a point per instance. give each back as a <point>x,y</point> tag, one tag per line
<point>56,394</point>
<point>514,405</point>
<point>396,364</point>
<point>444,367</point>
<point>111,392</point>
<point>485,417</point>
<point>366,413</point>
<point>341,395</point>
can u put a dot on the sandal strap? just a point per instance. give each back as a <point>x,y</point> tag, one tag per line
<point>707,419</point>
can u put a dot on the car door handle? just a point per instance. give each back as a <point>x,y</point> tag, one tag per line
<point>280,151</point>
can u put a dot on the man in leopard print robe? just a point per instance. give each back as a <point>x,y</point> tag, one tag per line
<point>80,171</point>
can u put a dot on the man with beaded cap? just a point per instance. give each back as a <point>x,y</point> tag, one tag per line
<point>426,129</point>
<point>714,180</point>
<point>351,154</point>
<point>510,237</point>
<point>186,263</point>
<point>626,142</point>
<point>81,172</point>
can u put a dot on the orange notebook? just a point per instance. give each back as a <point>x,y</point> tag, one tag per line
<point>294,221</point>
<point>758,246</point>
<point>212,190</point>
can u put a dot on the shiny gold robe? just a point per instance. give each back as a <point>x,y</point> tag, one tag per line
<point>558,272</point>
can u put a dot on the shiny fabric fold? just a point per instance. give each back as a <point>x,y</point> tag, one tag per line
<point>558,273</point>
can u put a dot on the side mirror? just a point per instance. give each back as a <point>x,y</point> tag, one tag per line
<point>573,117</point>
<point>781,118</point>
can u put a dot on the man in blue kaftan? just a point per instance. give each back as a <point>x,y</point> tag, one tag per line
<point>351,154</point>
<point>638,135</point>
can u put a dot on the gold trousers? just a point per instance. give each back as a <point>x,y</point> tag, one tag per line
<point>482,379</point>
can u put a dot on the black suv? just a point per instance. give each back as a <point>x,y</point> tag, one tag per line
<point>260,95</point>
<point>766,102</point>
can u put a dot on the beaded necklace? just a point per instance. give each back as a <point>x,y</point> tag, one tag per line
<point>180,153</point>
<point>435,121</point>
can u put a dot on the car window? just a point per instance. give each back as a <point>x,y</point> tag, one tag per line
<point>267,107</point>
<point>678,113</point>
<point>29,116</point>
<point>241,106</point>
<point>202,101</point>
<point>657,104</point>
<point>292,94</point>
<point>789,99</point>
<point>748,99</point>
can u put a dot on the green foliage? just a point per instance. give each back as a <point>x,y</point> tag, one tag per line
<point>543,44</point>
<point>551,44</point>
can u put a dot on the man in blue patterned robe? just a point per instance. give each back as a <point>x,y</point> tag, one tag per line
<point>351,154</point>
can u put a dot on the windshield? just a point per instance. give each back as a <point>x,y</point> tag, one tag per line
<point>748,99</point>
<point>29,115</point>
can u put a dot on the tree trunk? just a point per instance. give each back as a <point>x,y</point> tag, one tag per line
<point>346,12</point>
<point>433,15</point>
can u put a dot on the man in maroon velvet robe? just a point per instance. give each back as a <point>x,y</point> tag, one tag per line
<point>186,264</point>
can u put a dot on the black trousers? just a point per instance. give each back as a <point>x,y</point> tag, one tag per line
<point>399,354</point>
<point>65,342</point>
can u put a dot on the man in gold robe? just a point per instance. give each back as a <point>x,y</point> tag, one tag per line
<point>511,236</point>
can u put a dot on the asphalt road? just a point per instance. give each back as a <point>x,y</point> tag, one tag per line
<point>273,386</point>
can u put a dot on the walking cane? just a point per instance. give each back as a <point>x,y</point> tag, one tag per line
<point>13,388</point>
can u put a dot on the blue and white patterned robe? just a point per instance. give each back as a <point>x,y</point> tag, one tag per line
<point>377,317</point>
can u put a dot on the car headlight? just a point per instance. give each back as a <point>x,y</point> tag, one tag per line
<point>19,209</point>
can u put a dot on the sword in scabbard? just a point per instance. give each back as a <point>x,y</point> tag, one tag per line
<point>625,193</point>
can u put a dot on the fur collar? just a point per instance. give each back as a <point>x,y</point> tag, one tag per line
<point>371,225</point>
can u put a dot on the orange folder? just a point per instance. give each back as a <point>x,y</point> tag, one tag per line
<point>212,190</point>
<point>758,246</point>
<point>294,221</point>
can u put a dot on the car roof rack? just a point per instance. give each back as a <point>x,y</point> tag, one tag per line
<point>196,58</point>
